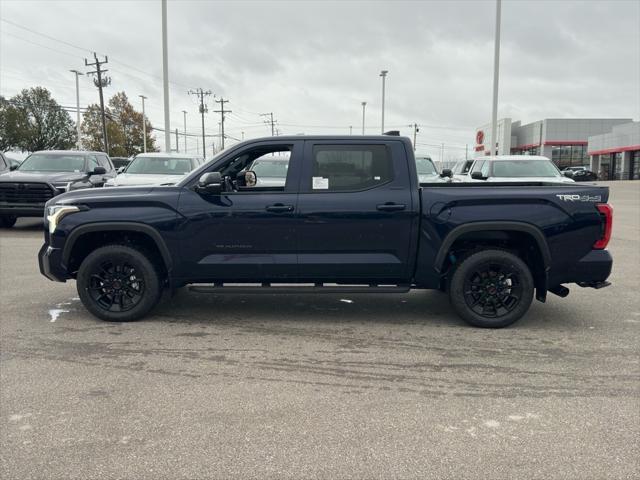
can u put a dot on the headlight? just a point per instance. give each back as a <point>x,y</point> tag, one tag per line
<point>56,213</point>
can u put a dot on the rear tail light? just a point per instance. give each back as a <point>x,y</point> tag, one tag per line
<point>607,215</point>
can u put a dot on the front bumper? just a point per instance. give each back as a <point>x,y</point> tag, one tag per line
<point>50,263</point>
<point>18,210</point>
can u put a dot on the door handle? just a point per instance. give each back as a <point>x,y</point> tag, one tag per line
<point>391,207</point>
<point>279,208</point>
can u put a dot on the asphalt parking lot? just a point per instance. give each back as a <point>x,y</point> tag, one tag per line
<point>320,386</point>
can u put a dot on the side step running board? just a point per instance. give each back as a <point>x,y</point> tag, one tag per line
<point>317,288</point>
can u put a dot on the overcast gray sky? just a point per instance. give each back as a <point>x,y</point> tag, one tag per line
<point>313,63</point>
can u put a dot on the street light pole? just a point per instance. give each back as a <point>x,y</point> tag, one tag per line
<point>496,65</point>
<point>144,126</point>
<point>77,107</point>
<point>383,74</point>
<point>185,130</point>
<point>364,105</point>
<point>165,79</point>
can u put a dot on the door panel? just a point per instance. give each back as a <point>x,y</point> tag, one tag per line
<point>351,235</point>
<point>246,235</point>
<point>238,236</point>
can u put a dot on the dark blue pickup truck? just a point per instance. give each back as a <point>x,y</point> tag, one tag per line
<point>350,216</point>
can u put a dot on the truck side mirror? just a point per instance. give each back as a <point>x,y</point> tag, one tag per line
<point>98,171</point>
<point>477,176</point>
<point>210,183</point>
<point>120,170</point>
<point>13,167</point>
<point>568,173</point>
<point>446,172</point>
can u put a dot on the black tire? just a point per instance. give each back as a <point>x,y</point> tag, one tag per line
<point>8,221</point>
<point>118,283</point>
<point>491,288</point>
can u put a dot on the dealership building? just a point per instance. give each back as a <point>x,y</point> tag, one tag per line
<point>608,146</point>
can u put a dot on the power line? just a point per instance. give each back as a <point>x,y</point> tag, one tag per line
<point>222,111</point>
<point>100,82</point>
<point>272,122</point>
<point>203,109</point>
<point>64,42</point>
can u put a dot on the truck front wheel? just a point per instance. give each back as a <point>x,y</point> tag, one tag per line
<point>118,283</point>
<point>491,288</point>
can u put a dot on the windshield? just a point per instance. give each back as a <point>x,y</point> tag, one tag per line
<point>270,168</point>
<point>425,166</point>
<point>42,162</point>
<point>524,168</point>
<point>159,166</point>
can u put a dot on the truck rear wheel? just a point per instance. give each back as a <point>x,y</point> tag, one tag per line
<point>491,288</point>
<point>118,283</point>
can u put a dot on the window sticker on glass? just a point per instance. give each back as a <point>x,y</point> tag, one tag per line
<point>320,183</point>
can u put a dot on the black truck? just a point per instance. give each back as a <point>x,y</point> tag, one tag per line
<point>350,217</point>
<point>42,175</point>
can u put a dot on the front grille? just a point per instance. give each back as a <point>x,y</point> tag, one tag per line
<point>29,193</point>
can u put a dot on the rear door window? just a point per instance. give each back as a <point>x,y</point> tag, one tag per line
<point>349,167</point>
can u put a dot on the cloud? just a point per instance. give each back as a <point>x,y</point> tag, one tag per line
<point>313,63</point>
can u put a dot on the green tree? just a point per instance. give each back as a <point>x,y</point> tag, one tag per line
<point>8,125</point>
<point>124,128</point>
<point>39,122</point>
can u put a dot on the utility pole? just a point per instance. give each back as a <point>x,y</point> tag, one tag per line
<point>100,82</point>
<point>184,113</point>
<point>415,134</point>
<point>165,79</point>
<point>144,125</point>
<point>77,106</point>
<point>364,105</point>
<point>203,109</point>
<point>383,74</point>
<point>222,111</point>
<point>496,68</point>
<point>270,114</point>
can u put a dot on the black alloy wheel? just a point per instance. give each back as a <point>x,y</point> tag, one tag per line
<point>115,286</point>
<point>491,288</point>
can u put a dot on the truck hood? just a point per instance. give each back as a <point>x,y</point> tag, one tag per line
<point>46,177</point>
<point>87,194</point>
<point>130,179</point>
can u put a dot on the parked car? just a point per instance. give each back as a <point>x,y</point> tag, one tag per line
<point>270,171</point>
<point>515,168</point>
<point>427,171</point>
<point>461,169</point>
<point>155,169</point>
<point>5,164</point>
<point>120,162</point>
<point>42,175</point>
<point>581,174</point>
<point>351,217</point>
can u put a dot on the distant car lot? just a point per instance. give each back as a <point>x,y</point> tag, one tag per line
<point>319,386</point>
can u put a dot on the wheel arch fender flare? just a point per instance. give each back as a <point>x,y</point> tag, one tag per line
<point>81,230</point>
<point>527,228</point>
